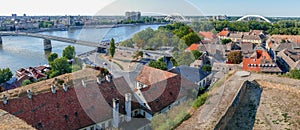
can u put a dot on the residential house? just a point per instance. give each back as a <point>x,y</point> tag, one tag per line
<point>218,51</point>
<point>247,48</point>
<point>260,33</point>
<point>285,39</point>
<point>260,61</point>
<point>236,37</point>
<point>291,58</point>
<point>198,63</point>
<point>158,91</point>
<point>224,34</point>
<point>200,47</point>
<point>253,38</point>
<point>192,47</point>
<point>194,75</point>
<point>208,37</point>
<point>295,47</point>
<point>30,73</point>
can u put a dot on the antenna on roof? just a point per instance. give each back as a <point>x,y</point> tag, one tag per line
<point>29,93</point>
<point>4,99</point>
<point>65,87</point>
<point>108,77</point>
<point>53,89</point>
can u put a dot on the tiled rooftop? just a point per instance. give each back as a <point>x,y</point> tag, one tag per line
<point>78,107</point>
<point>149,75</point>
<point>193,47</point>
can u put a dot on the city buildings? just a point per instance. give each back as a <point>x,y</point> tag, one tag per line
<point>133,16</point>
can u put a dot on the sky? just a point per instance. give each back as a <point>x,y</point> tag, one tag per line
<point>118,7</point>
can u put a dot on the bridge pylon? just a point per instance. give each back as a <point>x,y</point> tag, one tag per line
<point>0,40</point>
<point>47,44</point>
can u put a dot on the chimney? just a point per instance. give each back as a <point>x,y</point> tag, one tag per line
<point>65,87</point>
<point>108,77</point>
<point>83,83</point>
<point>115,113</point>
<point>29,93</point>
<point>99,80</point>
<point>4,99</point>
<point>128,107</point>
<point>53,89</point>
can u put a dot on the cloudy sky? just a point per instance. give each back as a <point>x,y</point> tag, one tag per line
<point>118,7</point>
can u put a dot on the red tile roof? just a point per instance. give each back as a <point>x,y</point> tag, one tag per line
<point>252,63</point>
<point>193,47</point>
<point>223,33</point>
<point>164,92</point>
<point>208,35</point>
<point>78,107</point>
<point>149,75</point>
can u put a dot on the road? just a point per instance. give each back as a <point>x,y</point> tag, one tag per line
<point>116,71</point>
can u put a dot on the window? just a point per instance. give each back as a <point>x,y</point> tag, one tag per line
<point>39,125</point>
<point>92,128</point>
<point>135,113</point>
<point>141,85</point>
<point>76,114</point>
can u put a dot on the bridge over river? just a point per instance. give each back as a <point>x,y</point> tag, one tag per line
<point>101,46</point>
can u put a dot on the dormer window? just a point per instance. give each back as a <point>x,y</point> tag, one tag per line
<point>29,93</point>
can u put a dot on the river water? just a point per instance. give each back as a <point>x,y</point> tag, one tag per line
<point>18,51</point>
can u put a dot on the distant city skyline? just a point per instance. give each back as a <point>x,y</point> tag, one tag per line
<point>118,7</point>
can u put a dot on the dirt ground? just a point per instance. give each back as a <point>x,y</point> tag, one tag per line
<point>279,107</point>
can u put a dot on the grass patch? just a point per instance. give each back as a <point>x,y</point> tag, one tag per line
<point>200,100</point>
<point>173,118</point>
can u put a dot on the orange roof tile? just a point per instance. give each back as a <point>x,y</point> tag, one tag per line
<point>208,35</point>
<point>149,75</point>
<point>223,33</point>
<point>193,47</point>
<point>256,60</point>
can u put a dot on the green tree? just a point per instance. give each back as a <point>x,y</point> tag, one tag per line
<point>5,75</point>
<point>158,65</point>
<point>191,38</point>
<point>26,82</point>
<point>112,48</point>
<point>138,54</point>
<point>52,57</point>
<point>225,41</point>
<point>196,53</point>
<point>174,62</point>
<point>59,66</point>
<point>206,68</point>
<point>127,43</point>
<point>184,58</point>
<point>69,52</point>
<point>235,57</point>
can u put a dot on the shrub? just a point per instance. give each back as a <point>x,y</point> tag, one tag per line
<point>200,100</point>
<point>26,82</point>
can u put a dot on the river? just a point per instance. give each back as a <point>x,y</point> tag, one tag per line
<point>18,51</point>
